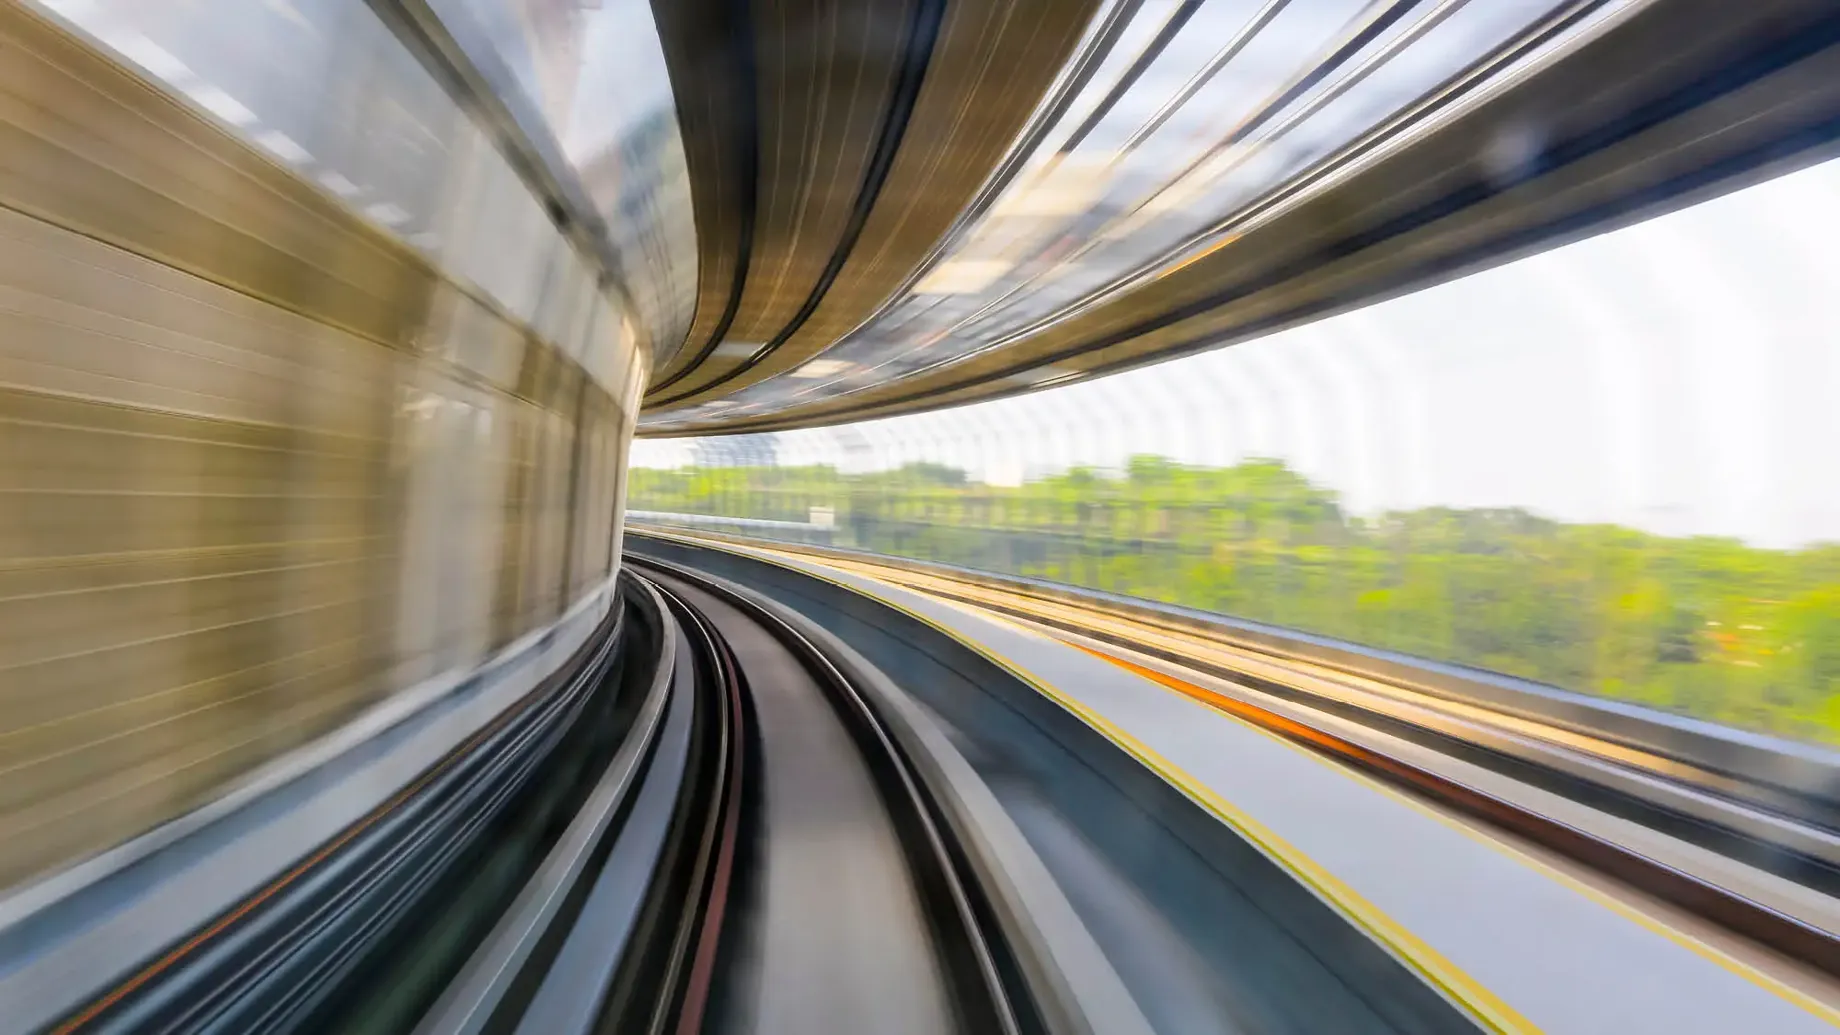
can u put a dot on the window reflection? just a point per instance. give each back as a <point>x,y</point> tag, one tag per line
<point>1605,467</point>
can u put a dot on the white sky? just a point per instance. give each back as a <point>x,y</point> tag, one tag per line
<point>1681,376</point>
<point>623,76</point>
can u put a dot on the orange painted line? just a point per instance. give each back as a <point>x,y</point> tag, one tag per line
<point>1786,935</point>
<point>1271,720</point>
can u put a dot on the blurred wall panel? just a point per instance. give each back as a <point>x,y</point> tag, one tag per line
<point>262,461</point>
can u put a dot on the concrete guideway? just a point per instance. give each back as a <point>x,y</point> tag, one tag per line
<point>1522,945</point>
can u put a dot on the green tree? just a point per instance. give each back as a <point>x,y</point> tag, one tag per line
<point>1706,626</point>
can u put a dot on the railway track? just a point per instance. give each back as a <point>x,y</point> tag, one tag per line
<point>1502,770</point>
<point>837,903</point>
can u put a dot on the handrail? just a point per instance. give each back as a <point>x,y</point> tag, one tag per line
<point>1777,775</point>
<point>1099,793</point>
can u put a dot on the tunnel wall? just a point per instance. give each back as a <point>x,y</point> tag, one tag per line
<point>265,458</point>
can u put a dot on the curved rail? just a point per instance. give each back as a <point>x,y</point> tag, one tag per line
<point>1796,782</point>
<point>953,934</point>
<point>301,948</point>
<point>1333,714</point>
<point>1148,912</point>
<point>613,851</point>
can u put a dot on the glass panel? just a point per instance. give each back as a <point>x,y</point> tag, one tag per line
<point>1607,467</point>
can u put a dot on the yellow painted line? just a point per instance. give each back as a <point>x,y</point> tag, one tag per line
<point>1431,965</point>
<point>1349,687</point>
<point>1403,943</point>
<point>1709,953</point>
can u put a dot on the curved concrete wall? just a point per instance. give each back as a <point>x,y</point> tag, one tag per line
<point>273,445</point>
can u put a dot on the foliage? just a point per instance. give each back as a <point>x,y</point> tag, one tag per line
<point>1708,627</point>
